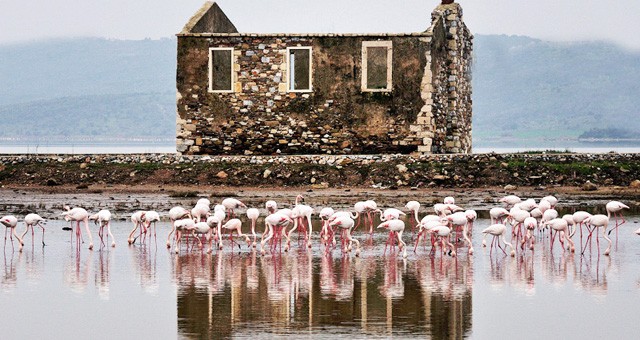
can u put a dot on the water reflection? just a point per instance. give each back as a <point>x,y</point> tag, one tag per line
<point>77,270</point>
<point>9,274</point>
<point>232,295</point>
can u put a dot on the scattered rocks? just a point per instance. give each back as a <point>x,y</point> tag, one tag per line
<point>222,175</point>
<point>510,187</point>
<point>635,184</point>
<point>588,186</point>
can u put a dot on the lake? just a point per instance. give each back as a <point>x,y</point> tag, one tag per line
<point>132,292</point>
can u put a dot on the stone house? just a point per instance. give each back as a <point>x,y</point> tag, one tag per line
<point>264,94</point>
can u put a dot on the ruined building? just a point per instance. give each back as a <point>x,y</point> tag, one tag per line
<point>265,94</point>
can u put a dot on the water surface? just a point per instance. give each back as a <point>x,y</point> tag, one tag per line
<point>148,292</point>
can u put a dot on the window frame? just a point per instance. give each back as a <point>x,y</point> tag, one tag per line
<point>365,64</point>
<point>233,74</point>
<point>310,89</point>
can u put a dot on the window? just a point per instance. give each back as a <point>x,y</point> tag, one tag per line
<point>221,75</point>
<point>376,66</point>
<point>299,62</point>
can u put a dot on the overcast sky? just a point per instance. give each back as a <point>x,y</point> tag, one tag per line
<point>568,20</point>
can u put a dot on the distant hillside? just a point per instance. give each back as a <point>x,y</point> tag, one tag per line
<point>523,88</point>
<point>526,88</point>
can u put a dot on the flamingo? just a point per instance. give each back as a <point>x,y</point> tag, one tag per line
<point>530,223</point>
<point>544,205</point>
<point>395,227</point>
<point>346,224</point>
<point>271,206</point>
<point>232,225</point>
<point>299,214</point>
<point>231,204</point>
<point>326,232</point>
<point>11,222</point>
<point>136,219</point>
<point>615,208</point>
<point>598,221</point>
<point>176,213</point>
<point>510,201</point>
<point>428,223</point>
<point>79,215</point>
<point>31,221</point>
<point>460,219</point>
<point>498,215</point>
<point>442,233</point>
<point>516,219</point>
<point>497,230</point>
<point>203,229</point>
<point>560,225</point>
<point>391,214</point>
<point>204,201</point>
<point>371,207</point>
<point>103,219</point>
<point>528,205</point>
<point>182,225</point>
<point>253,215</point>
<point>449,200</point>
<point>578,219</point>
<point>570,223</point>
<point>200,212</point>
<point>278,221</point>
<point>414,208</point>
<point>552,200</point>
<point>148,218</point>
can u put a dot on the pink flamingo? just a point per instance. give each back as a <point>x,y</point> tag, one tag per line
<point>326,232</point>
<point>79,215</point>
<point>552,200</point>
<point>414,208</point>
<point>231,204</point>
<point>449,200</point>
<point>510,201</point>
<point>176,213</point>
<point>103,219</point>
<point>498,215</point>
<point>578,219</point>
<point>275,225</point>
<point>497,230</point>
<point>10,222</point>
<point>253,215</point>
<point>346,224</point>
<point>530,224</point>
<point>560,225</point>
<point>200,212</point>
<point>31,221</point>
<point>205,229</point>
<point>149,218</point>
<point>232,225</point>
<point>598,221</point>
<point>183,225</point>
<point>615,208</point>
<point>136,219</point>
<point>396,228</point>
<point>442,233</point>
<point>458,220</point>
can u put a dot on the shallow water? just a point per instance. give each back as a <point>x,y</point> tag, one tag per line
<point>149,292</point>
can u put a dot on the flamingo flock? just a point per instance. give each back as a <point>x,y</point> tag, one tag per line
<point>448,228</point>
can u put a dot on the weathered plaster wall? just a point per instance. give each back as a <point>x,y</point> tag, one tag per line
<point>261,117</point>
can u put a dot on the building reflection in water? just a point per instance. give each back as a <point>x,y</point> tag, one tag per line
<point>227,295</point>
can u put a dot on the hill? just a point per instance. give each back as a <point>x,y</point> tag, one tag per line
<point>523,88</point>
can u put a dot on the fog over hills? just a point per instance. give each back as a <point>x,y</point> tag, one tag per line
<point>523,88</point>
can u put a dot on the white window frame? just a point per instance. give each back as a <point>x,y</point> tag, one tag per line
<point>233,74</point>
<point>365,46</point>
<point>310,89</point>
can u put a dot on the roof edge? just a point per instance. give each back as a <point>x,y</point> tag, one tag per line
<point>197,17</point>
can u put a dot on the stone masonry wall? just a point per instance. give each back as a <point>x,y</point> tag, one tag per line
<point>445,120</point>
<point>262,118</point>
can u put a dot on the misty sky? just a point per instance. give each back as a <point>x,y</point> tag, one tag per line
<point>568,20</point>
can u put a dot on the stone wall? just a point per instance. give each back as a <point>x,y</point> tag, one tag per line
<point>446,117</point>
<point>261,117</point>
<point>427,111</point>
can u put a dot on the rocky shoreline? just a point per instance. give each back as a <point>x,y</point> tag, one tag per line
<point>510,171</point>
